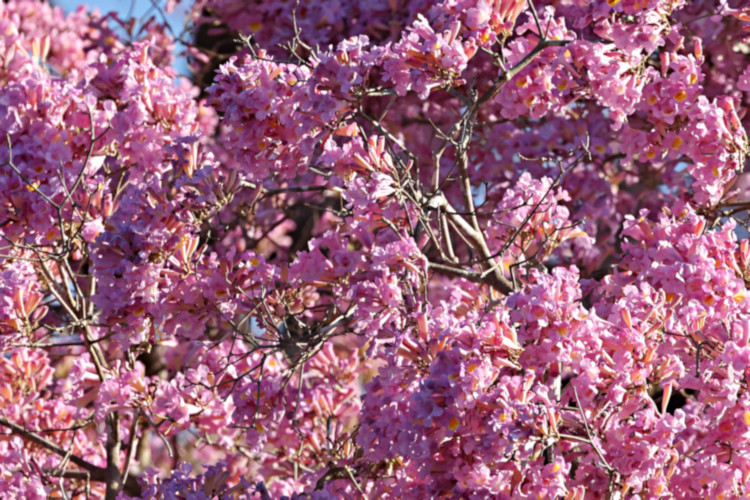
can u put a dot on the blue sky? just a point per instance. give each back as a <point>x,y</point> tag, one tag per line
<point>137,8</point>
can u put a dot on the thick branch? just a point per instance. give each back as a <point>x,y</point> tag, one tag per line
<point>503,286</point>
<point>493,274</point>
<point>113,476</point>
<point>95,473</point>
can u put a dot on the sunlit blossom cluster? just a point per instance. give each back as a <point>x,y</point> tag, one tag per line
<point>452,249</point>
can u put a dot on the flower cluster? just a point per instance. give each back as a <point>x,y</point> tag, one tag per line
<point>452,249</point>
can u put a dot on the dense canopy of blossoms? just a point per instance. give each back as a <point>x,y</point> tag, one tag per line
<point>376,249</point>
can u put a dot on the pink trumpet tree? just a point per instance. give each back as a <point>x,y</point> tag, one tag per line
<point>376,249</point>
